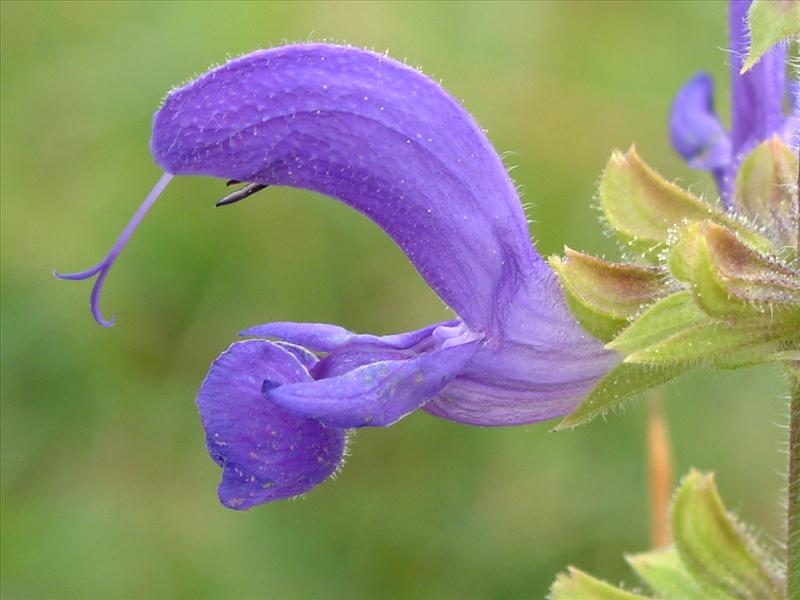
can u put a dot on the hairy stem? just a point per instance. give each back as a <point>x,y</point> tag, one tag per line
<point>793,501</point>
<point>793,522</point>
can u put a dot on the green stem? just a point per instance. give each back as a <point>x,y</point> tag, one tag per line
<point>793,522</point>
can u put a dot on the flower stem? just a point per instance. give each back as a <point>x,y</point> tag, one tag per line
<point>793,521</point>
<point>793,501</point>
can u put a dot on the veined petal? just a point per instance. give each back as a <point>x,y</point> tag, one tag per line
<point>694,128</point>
<point>266,453</point>
<point>377,394</point>
<point>307,358</point>
<point>347,358</point>
<point>542,367</point>
<point>324,337</point>
<point>758,95</point>
<point>379,136</point>
<point>513,387</point>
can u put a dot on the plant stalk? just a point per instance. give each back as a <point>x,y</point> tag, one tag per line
<point>793,501</point>
<point>793,518</point>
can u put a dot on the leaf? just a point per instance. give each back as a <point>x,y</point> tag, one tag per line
<point>619,384</point>
<point>714,548</point>
<point>770,22</point>
<point>666,575</point>
<point>578,585</point>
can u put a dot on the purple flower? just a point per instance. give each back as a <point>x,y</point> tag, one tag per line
<point>392,144</point>
<point>757,110</point>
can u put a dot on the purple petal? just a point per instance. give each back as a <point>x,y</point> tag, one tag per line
<point>323,337</point>
<point>694,129</point>
<point>347,358</point>
<point>307,358</point>
<point>375,134</point>
<point>266,453</point>
<point>758,95</point>
<point>377,394</point>
<point>542,367</point>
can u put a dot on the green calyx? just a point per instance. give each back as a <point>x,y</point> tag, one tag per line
<point>722,291</point>
<point>643,208</point>
<point>712,558</point>
<point>714,548</point>
<point>578,585</point>
<point>766,190</point>
<point>606,296</point>
<point>770,21</point>
<point>730,280</point>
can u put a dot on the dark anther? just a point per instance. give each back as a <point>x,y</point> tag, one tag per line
<point>241,194</point>
<point>231,182</point>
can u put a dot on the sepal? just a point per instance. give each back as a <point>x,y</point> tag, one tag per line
<point>771,21</point>
<point>715,548</point>
<point>666,575</point>
<point>713,557</point>
<point>676,331</point>
<point>577,585</point>
<point>643,208</point>
<point>606,296</point>
<point>618,385</point>
<point>766,190</point>
<point>729,279</point>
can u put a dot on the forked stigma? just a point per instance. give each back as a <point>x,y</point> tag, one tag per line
<point>101,269</point>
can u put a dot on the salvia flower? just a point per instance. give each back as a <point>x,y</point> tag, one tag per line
<point>757,110</point>
<point>392,144</point>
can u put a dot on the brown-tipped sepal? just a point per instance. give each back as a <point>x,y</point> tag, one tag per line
<point>729,279</point>
<point>643,208</point>
<point>606,296</point>
<point>766,190</point>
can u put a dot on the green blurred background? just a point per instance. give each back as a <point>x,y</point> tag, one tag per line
<point>107,490</point>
